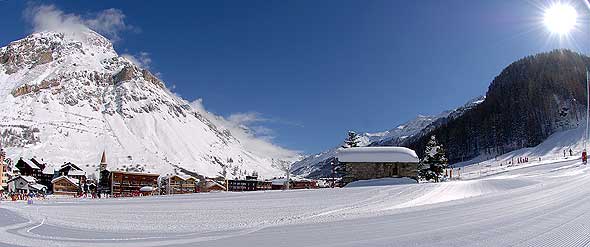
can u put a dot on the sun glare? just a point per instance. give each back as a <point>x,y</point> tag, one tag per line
<point>560,18</point>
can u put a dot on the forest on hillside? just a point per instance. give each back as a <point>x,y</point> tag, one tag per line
<point>529,100</point>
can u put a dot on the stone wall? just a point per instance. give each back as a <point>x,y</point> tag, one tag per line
<point>364,171</point>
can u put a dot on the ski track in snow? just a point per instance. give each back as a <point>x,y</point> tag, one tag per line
<point>544,205</point>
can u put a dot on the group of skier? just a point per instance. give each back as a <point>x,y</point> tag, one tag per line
<point>584,155</point>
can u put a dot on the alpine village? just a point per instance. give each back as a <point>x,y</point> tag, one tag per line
<point>32,178</point>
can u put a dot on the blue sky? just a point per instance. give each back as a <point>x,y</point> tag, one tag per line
<point>302,73</point>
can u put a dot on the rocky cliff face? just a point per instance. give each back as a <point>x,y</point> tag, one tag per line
<point>67,96</point>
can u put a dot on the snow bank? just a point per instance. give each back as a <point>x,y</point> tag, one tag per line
<point>377,154</point>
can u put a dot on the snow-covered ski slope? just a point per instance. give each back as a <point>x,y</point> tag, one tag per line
<point>549,151</point>
<point>543,205</point>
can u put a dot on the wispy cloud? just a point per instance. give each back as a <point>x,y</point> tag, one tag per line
<point>256,123</point>
<point>142,59</point>
<point>255,118</point>
<point>246,118</point>
<point>250,129</point>
<point>109,22</point>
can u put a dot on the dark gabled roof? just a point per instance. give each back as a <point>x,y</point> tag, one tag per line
<point>38,164</point>
<point>23,163</point>
<point>68,166</point>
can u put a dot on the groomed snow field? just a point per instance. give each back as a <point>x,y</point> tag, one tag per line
<point>543,205</point>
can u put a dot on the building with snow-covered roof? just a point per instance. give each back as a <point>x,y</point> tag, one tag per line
<point>64,185</point>
<point>212,185</point>
<point>179,184</point>
<point>28,168</point>
<point>25,184</point>
<point>362,163</point>
<point>71,170</point>
<point>129,183</point>
<point>47,174</point>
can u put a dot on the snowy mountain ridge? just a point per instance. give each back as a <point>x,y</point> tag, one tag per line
<point>318,165</point>
<point>65,97</point>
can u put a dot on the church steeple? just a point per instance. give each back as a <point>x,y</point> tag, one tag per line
<point>103,161</point>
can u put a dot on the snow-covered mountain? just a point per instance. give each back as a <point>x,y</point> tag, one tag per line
<point>423,125</point>
<point>66,97</point>
<point>397,135</point>
<point>319,165</point>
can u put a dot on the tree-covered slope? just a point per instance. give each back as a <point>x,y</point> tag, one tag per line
<point>528,101</point>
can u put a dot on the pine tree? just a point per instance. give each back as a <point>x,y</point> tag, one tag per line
<point>434,163</point>
<point>352,140</point>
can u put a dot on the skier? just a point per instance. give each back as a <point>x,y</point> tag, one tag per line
<point>584,157</point>
<point>571,152</point>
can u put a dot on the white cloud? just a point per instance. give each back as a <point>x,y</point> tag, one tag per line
<point>247,128</point>
<point>246,118</point>
<point>142,59</point>
<point>252,122</point>
<point>109,22</point>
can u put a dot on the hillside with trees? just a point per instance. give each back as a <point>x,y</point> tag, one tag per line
<point>529,100</point>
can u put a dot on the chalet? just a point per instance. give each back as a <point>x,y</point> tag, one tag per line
<point>73,171</point>
<point>129,183</point>
<point>27,168</point>
<point>177,184</point>
<point>64,185</point>
<point>364,163</point>
<point>211,185</point>
<point>25,184</point>
<point>304,184</point>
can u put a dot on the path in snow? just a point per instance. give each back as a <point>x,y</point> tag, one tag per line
<point>531,206</point>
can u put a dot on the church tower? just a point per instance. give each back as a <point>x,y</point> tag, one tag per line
<point>103,161</point>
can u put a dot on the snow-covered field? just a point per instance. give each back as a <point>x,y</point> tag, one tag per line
<point>548,204</point>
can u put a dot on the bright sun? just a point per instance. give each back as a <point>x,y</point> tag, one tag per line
<point>560,18</point>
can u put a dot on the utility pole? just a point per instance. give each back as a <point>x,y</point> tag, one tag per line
<point>288,171</point>
<point>587,109</point>
<point>333,179</point>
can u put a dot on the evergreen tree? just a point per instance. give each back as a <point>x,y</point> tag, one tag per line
<point>434,163</point>
<point>352,140</point>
